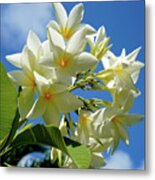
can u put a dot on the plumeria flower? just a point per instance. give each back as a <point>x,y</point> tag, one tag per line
<point>33,44</point>
<point>127,62</point>
<point>121,72</point>
<point>68,59</point>
<point>99,43</point>
<point>84,131</point>
<point>106,126</point>
<point>53,100</point>
<point>68,25</point>
<point>112,121</point>
<point>85,136</point>
<point>27,61</point>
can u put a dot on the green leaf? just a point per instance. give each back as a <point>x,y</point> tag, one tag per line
<point>9,137</point>
<point>52,136</point>
<point>80,155</point>
<point>8,100</point>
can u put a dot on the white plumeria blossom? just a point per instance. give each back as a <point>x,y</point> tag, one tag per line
<point>106,126</point>
<point>127,62</point>
<point>53,100</point>
<point>68,59</point>
<point>84,127</point>
<point>27,61</point>
<point>122,71</point>
<point>86,136</point>
<point>68,25</point>
<point>85,131</point>
<point>110,122</point>
<point>98,43</point>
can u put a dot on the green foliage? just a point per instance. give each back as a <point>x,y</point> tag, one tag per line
<point>8,100</point>
<point>52,136</point>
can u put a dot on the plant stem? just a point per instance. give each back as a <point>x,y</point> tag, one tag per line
<point>81,82</point>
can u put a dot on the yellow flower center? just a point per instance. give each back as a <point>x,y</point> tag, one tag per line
<point>66,33</point>
<point>63,62</point>
<point>48,96</point>
<point>114,120</point>
<point>84,120</point>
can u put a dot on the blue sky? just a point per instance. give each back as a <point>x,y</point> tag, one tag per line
<point>124,23</point>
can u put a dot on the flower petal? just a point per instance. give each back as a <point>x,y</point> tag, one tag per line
<point>60,14</point>
<point>100,35</point>
<point>15,59</point>
<point>83,135</point>
<point>50,74</point>
<point>19,78</point>
<point>124,80</point>
<point>48,60</point>
<point>108,60</point>
<point>64,76</point>
<point>56,39</point>
<point>28,60</point>
<point>123,53</point>
<point>67,102</point>
<point>33,43</point>
<point>133,55</point>
<point>58,88</point>
<point>129,119</point>
<point>104,144</point>
<point>77,42</point>
<point>37,109</point>
<point>46,47</point>
<point>116,140</point>
<point>42,82</point>
<point>106,76</point>
<point>75,16</point>
<point>51,115</point>
<point>134,70</point>
<point>82,62</point>
<point>90,41</point>
<point>102,130</point>
<point>122,133</point>
<point>84,127</point>
<point>124,99</point>
<point>54,25</point>
<point>25,101</point>
<point>97,116</point>
<point>89,29</point>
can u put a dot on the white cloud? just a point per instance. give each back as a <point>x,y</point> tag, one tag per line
<point>120,160</point>
<point>18,19</point>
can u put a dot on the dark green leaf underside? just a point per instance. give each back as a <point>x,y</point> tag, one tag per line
<point>52,136</point>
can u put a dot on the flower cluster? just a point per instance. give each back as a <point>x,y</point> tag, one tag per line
<point>49,71</point>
